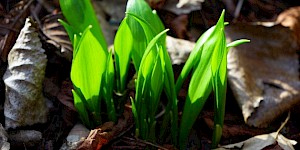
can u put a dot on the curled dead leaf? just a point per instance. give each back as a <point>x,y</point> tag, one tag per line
<point>57,35</point>
<point>291,18</point>
<point>261,142</point>
<point>10,25</point>
<point>107,132</point>
<point>263,74</point>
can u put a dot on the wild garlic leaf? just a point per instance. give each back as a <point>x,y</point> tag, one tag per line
<point>237,43</point>
<point>107,88</point>
<point>194,57</point>
<point>207,48</point>
<point>87,69</point>
<point>219,79</point>
<point>147,96</point>
<point>141,37</point>
<point>70,30</point>
<point>80,14</point>
<point>80,107</point>
<point>123,45</point>
<point>142,9</point>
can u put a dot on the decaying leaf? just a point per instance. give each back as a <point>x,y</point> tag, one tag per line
<point>291,18</point>
<point>179,50</point>
<point>10,25</point>
<point>24,103</point>
<point>262,141</point>
<point>107,132</point>
<point>57,34</point>
<point>183,3</point>
<point>263,74</point>
<point>183,6</point>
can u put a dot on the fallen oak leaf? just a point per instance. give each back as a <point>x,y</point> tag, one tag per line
<point>291,18</point>
<point>107,132</point>
<point>10,26</point>
<point>262,141</point>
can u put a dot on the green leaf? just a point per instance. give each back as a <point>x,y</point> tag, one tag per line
<point>70,30</point>
<point>141,9</point>
<point>207,48</point>
<point>219,79</point>
<point>146,100</point>
<point>80,107</point>
<point>80,14</point>
<point>199,89</point>
<point>220,86</point>
<point>123,46</point>
<point>107,93</point>
<point>202,44</point>
<point>237,43</point>
<point>136,118</point>
<point>169,88</point>
<point>220,45</point>
<point>157,80</point>
<point>141,35</point>
<point>87,70</point>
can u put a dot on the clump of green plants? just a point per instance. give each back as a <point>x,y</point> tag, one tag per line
<point>141,38</point>
<point>92,71</point>
<point>208,64</point>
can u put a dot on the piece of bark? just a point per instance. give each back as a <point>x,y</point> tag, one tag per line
<point>263,74</point>
<point>24,101</point>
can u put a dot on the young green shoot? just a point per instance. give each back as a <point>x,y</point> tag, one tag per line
<point>208,63</point>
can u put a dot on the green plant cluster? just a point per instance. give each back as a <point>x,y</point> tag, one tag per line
<point>141,38</point>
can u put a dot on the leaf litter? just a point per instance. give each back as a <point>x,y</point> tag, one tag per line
<point>112,126</point>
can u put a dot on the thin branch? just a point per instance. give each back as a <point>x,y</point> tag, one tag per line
<point>147,143</point>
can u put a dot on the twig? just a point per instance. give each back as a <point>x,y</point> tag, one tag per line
<point>46,5</point>
<point>21,13</point>
<point>145,142</point>
<point>8,28</point>
<point>283,124</point>
<point>238,8</point>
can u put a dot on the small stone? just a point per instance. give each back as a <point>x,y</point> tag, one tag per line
<point>4,145</point>
<point>76,136</point>
<point>29,138</point>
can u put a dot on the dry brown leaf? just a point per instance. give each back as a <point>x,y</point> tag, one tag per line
<point>263,74</point>
<point>179,49</point>
<point>65,95</point>
<point>10,25</point>
<point>291,18</point>
<point>262,141</point>
<point>183,3</point>
<point>107,132</point>
<point>57,34</point>
<point>183,7</point>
